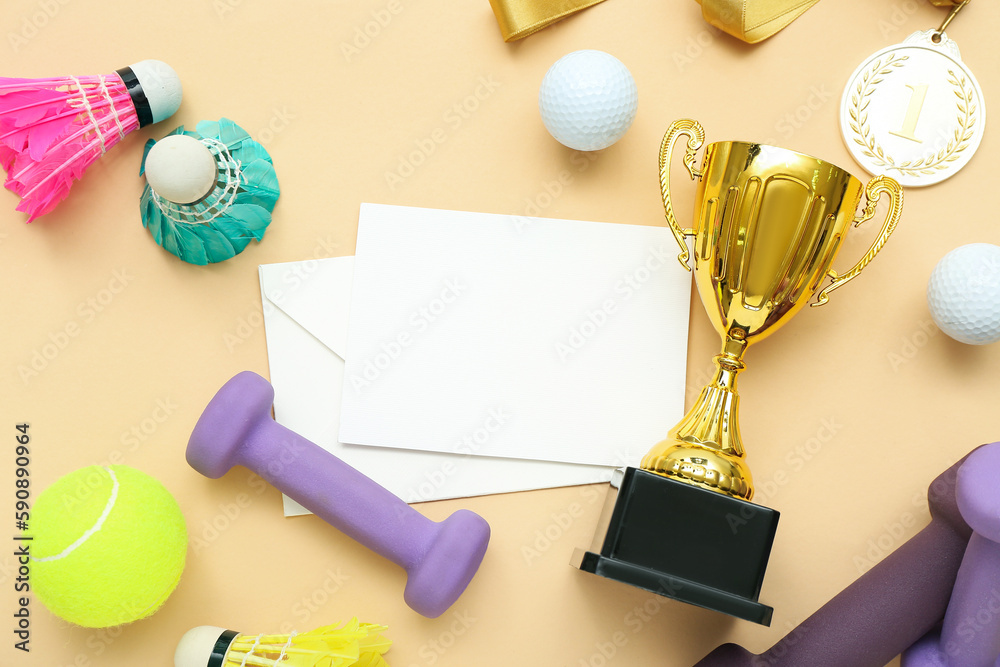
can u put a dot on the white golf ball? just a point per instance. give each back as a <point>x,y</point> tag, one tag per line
<point>588,100</point>
<point>964,293</point>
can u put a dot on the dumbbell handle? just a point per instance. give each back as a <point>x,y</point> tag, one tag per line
<point>337,493</point>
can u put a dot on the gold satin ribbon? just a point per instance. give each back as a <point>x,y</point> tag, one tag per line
<point>520,18</point>
<point>753,20</point>
<point>750,20</point>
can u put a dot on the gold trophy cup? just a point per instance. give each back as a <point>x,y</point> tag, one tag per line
<point>768,224</point>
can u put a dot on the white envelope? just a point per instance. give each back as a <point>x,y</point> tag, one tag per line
<point>306,306</point>
<point>572,334</point>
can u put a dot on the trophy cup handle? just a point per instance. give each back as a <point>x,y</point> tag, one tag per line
<point>873,192</point>
<point>695,133</point>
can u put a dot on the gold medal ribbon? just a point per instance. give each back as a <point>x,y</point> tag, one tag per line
<point>520,18</point>
<point>753,20</point>
<point>750,20</point>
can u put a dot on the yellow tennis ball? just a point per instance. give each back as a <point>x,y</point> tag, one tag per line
<point>109,546</point>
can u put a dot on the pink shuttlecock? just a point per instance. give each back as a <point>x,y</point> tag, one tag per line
<point>51,130</point>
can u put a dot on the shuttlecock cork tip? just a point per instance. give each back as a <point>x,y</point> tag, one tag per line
<point>204,646</point>
<point>158,89</point>
<point>181,168</point>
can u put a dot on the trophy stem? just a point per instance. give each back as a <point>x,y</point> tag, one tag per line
<point>705,448</point>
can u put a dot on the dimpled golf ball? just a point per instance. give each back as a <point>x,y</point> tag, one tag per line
<point>964,293</point>
<point>588,100</point>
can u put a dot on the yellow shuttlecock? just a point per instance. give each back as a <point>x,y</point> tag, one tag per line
<point>353,644</point>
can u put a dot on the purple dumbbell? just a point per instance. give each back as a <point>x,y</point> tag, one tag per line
<point>889,607</point>
<point>440,558</point>
<point>970,635</point>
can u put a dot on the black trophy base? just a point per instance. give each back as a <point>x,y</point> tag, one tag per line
<point>684,542</point>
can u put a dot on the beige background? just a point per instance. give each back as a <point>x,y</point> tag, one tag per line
<point>847,413</point>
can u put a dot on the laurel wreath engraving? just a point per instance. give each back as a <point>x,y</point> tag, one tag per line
<point>929,164</point>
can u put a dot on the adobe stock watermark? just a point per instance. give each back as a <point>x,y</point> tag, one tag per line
<point>210,530</point>
<point>695,46</point>
<point>431,651</point>
<point>795,633</point>
<point>468,444</point>
<point>140,433</point>
<point>972,625</point>
<point>940,491</point>
<point>97,478</point>
<point>298,273</point>
<point>606,650</point>
<point>893,534</point>
<point>420,321</point>
<point>453,118</point>
<point>224,8</point>
<point>643,616</point>
<point>100,640</point>
<point>280,120</point>
<point>560,522</point>
<point>814,99</point>
<point>910,346</point>
<point>596,318</point>
<point>634,622</point>
<point>881,546</point>
<point>699,380</point>
<point>900,15</point>
<point>797,458</point>
<point>307,606</point>
<point>32,24</point>
<point>550,191</point>
<point>86,312</point>
<point>472,443</point>
<point>366,34</point>
<point>98,643</point>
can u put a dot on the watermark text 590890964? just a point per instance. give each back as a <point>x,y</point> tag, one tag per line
<point>22,542</point>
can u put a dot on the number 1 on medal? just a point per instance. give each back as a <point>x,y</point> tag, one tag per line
<point>913,113</point>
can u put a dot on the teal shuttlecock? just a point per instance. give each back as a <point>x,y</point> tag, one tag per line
<point>208,192</point>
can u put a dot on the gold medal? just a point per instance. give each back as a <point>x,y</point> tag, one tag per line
<point>914,111</point>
